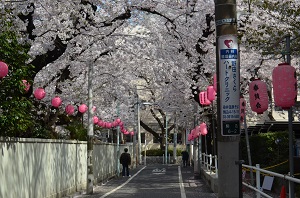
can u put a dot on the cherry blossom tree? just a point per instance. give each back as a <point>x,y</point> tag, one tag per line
<point>166,47</point>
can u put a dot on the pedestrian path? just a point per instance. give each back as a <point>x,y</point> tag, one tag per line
<point>154,181</point>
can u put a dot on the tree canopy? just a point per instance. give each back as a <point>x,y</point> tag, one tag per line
<point>164,51</point>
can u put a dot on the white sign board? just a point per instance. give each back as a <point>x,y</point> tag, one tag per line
<point>229,74</point>
<point>268,182</point>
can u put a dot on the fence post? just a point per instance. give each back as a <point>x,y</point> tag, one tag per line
<point>210,162</point>
<point>258,180</point>
<point>163,158</point>
<point>216,165</point>
<point>207,162</point>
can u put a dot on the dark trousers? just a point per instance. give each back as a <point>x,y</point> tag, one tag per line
<point>184,162</point>
<point>125,170</point>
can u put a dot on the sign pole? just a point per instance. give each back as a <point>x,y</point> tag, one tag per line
<point>228,110</point>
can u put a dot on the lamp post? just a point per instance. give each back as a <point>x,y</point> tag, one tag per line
<point>290,119</point>
<point>290,116</point>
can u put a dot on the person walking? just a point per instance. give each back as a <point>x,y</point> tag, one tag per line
<point>125,160</point>
<point>185,157</point>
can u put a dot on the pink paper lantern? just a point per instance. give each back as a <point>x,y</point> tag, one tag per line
<point>284,85</point>
<point>258,96</point>
<point>197,131</point>
<point>56,101</point>
<point>242,108</point>
<point>207,102</point>
<point>114,124</point>
<point>3,69</point>
<point>132,133</point>
<point>95,119</point>
<point>193,132</point>
<point>100,123</point>
<point>126,133</point>
<point>94,109</point>
<point>69,109</point>
<point>189,137</point>
<point>82,108</point>
<point>211,93</point>
<point>203,98</point>
<point>108,125</point>
<point>118,120</point>
<point>39,93</point>
<point>26,85</point>
<point>104,124</point>
<point>203,128</point>
<point>215,82</point>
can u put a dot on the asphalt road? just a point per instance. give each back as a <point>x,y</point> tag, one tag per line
<point>154,181</point>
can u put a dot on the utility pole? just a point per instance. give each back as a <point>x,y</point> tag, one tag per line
<point>175,141</point>
<point>166,141</point>
<point>118,142</point>
<point>228,80</point>
<point>90,172</point>
<point>139,134</point>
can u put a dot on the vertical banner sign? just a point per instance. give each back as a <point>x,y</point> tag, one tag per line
<point>229,74</point>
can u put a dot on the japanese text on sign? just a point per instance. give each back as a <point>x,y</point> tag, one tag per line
<point>229,78</point>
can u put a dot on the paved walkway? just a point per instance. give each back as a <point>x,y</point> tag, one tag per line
<point>153,181</point>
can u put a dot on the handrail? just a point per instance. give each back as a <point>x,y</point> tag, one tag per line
<point>293,179</point>
<point>207,159</point>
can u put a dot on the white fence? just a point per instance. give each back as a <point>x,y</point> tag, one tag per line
<point>210,163</point>
<point>51,168</point>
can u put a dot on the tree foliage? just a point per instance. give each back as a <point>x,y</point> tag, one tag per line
<point>163,51</point>
<point>16,115</point>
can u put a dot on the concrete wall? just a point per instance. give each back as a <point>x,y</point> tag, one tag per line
<point>51,168</point>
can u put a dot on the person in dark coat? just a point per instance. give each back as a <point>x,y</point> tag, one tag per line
<point>185,157</point>
<point>125,160</point>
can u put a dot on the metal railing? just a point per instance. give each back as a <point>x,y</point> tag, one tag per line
<point>258,170</point>
<point>207,161</point>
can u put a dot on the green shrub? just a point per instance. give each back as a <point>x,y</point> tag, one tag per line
<point>266,152</point>
<point>77,131</point>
